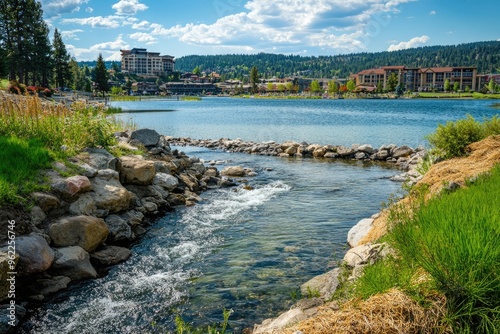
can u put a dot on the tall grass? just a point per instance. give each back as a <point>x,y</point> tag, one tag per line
<point>55,125</point>
<point>456,239</point>
<point>20,162</point>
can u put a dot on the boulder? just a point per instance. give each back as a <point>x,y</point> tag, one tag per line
<point>146,137</point>
<point>323,285</point>
<point>37,215</point>
<point>360,155</point>
<point>119,230</point>
<point>84,205</point>
<point>72,186</point>
<point>362,254</point>
<point>45,201</point>
<point>319,152</point>
<point>84,231</point>
<point>236,171</point>
<point>190,181</point>
<point>358,231</point>
<point>402,151</point>
<point>345,151</point>
<point>48,286</point>
<point>286,319</point>
<point>366,148</point>
<point>110,255</point>
<point>98,158</point>
<point>289,143</point>
<point>133,217</point>
<point>136,171</point>
<point>291,150</point>
<point>381,155</point>
<point>35,255</point>
<point>176,200</point>
<point>109,194</point>
<point>73,262</point>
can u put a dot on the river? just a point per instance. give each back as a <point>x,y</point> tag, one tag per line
<point>248,250</point>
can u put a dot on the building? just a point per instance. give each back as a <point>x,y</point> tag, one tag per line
<point>145,88</point>
<point>420,79</point>
<point>141,62</point>
<point>190,88</point>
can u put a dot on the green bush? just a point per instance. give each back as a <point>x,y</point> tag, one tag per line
<point>456,239</point>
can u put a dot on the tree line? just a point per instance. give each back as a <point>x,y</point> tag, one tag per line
<point>484,55</point>
<point>28,57</point>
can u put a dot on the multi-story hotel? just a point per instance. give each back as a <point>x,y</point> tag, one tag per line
<point>415,79</point>
<point>139,61</point>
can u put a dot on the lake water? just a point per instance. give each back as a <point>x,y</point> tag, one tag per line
<point>248,250</point>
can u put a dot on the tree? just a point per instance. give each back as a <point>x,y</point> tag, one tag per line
<point>270,86</point>
<point>62,70</point>
<point>289,86</point>
<point>456,86</point>
<point>491,85</point>
<point>196,71</point>
<point>315,86</point>
<point>447,85</point>
<point>392,82</point>
<point>399,90</point>
<point>380,87</point>
<point>332,87</point>
<point>101,76</point>
<point>254,79</point>
<point>351,85</point>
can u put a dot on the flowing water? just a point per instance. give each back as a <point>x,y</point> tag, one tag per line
<point>245,250</point>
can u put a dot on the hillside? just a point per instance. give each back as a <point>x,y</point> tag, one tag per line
<point>484,55</point>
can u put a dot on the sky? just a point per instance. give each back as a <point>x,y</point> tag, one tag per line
<point>302,27</point>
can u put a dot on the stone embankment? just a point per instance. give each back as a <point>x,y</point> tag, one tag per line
<point>86,222</point>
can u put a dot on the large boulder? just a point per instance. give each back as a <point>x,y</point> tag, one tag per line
<point>109,194</point>
<point>364,254</point>
<point>45,201</point>
<point>322,286</point>
<point>358,231</point>
<point>48,286</point>
<point>110,255</point>
<point>146,137</point>
<point>98,158</point>
<point>136,171</point>
<point>119,230</point>
<point>73,262</point>
<point>237,171</point>
<point>84,231</point>
<point>35,255</point>
<point>166,181</point>
<point>72,186</point>
<point>402,151</point>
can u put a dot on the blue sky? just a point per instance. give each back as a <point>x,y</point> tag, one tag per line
<point>305,27</point>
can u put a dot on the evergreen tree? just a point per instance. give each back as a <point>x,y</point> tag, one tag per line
<point>492,85</point>
<point>392,82</point>
<point>62,70</point>
<point>101,76</point>
<point>456,86</point>
<point>447,85</point>
<point>254,79</point>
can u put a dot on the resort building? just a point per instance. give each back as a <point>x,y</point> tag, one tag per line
<point>141,62</point>
<point>420,79</point>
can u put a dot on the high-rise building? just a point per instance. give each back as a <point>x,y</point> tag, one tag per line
<point>139,61</point>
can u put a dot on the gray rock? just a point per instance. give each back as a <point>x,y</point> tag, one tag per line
<point>119,230</point>
<point>286,319</point>
<point>99,158</point>
<point>176,200</point>
<point>325,285</point>
<point>402,151</point>
<point>363,254</point>
<point>73,262</point>
<point>72,186</point>
<point>133,217</point>
<point>45,201</point>
<point>360,155</point>
<point>48,286</point>
<point>237,171</point>
<point>147,137</point>
<point>35,255</point>
<point>366,148</point>
<point>358,231</point>
<point>84,231</point>
<point>87,170</point>
<point>110,255</point>
<point>37,215</point>
<point>84,205</point>
<point>109,194</point>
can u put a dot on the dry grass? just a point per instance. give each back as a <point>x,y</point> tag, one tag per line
<point>391,312</point>
<point>482,156</point>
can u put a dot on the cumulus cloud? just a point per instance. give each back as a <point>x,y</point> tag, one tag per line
<point>117,44</point>
<point>412,43</point>
<point>89,10</point>
<point>289,24</point>
<point>97,21</point>
<point>52,8</point>
<point>71,34</point>
<point>128,7</point>
<point>143,37</point>
<point>433,12</point>
<point>143,25</point>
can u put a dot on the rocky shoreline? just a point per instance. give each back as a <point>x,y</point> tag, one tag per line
<point>85,222</point>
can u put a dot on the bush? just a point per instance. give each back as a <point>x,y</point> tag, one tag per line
<point>452,138</point>
<point>16,88</point>
<point>455,238</point>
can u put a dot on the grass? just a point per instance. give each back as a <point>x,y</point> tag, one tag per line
<point>20,163</point>
<point>443,95</point>
<point>28,123</point>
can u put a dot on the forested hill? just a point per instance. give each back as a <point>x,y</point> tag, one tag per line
<point>484,55</point>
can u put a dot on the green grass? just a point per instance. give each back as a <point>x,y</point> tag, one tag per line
<point>20,163</point>
<point>456,239</point>
<point>443,95</point>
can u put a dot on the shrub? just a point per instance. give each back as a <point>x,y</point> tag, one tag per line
<point>453,137</point>
<point>16,88</point>
<point>455,238</point>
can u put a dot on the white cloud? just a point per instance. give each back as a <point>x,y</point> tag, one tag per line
<point>97,21</point>
<point>143,37</point>
<point>289,24</point>
<point>52,8</point>
<point>433,12</point>
<point>144,25</point>
<point>89,10</point>
<point>117,44</point>
<point>412,43</point>
<point>128,7</point>
<point>71,34</point>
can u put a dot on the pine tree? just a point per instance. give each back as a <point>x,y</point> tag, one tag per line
<point>254,79</point>
<point>62,70</point>
<point>101,76</point>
